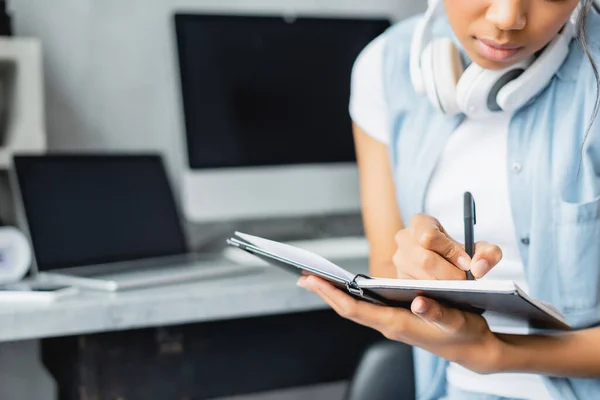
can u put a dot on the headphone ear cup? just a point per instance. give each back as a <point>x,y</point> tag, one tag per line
<point>428,75</point>
<point>466,87</point>
<point>478,88</point>
<point>448,69</point>
<point>421,37</point>
<point>442,68</point>
<point>416,69</point>
<point>537,74</point>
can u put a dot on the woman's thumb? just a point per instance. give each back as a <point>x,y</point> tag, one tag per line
<point>486,257</point>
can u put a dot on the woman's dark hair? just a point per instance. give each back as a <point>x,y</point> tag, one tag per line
<point>587,7</point>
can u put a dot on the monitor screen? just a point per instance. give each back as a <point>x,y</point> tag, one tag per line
<point>264,91</point>
<point>92,209</point>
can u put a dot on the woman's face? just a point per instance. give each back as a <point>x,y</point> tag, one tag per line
<point>498,33</point>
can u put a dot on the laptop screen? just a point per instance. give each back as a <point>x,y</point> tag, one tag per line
<point>94,209</point>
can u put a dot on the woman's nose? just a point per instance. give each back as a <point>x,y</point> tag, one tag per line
<point>507,15</point>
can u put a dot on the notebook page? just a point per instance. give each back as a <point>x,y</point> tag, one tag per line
<point>476,285</point>
<point>298,255</point>
<point>547,307</point>
<point>461,291</point>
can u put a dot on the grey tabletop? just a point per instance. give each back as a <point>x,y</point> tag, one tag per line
<point>268,291</point>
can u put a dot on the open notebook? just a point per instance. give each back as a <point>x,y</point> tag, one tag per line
<point>502,297</point>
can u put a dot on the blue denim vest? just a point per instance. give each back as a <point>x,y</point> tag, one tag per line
<point>554,184</point>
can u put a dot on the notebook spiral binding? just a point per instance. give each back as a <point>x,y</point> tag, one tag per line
<point>353,286</point>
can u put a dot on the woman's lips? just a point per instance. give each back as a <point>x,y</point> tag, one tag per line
<point>495,51</point>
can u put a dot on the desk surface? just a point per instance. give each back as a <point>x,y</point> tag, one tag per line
<point>271,291</point>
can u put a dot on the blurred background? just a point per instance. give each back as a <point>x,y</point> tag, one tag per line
<point>111,70</point>
<point>121,117</point>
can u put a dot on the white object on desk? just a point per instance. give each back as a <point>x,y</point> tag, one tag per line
<point>35,292</point>
<point>15,255</point>
<point>333,248</point>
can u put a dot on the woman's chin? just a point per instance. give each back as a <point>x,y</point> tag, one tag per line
<point>486,63</point>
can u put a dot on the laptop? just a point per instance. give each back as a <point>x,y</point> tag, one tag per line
<point>106,222</point>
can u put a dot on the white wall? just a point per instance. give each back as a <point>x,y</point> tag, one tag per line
<point>110,66</point>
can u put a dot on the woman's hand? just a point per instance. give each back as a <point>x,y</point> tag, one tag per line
<point>426,251</point>
<point>457,336</point>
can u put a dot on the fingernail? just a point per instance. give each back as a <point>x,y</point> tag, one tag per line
<point>464,263</point>
<point>301,283</point>
<point>419,306</point>
<point>480,267</point>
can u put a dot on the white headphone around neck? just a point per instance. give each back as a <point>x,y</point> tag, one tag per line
<point>436,70</point>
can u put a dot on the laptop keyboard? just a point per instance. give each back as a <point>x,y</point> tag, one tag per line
<point>175,274</point>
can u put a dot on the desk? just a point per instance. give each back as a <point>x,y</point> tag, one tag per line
<point>268,292</point>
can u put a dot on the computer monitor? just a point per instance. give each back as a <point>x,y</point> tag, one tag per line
<point>83,210</point>
<point>265,103</point>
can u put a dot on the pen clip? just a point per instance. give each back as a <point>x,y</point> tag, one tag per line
<point>473,210</point>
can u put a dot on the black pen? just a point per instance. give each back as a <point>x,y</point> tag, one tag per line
<point>470,221</point>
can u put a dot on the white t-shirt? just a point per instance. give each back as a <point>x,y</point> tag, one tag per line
<point>482,170</point>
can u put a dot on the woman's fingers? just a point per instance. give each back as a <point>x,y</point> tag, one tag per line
<point>427,322</point>
<point>426,265</point>
<point>449,320</point>
<point>417,262</point>
<point>392,322</point>
<point>430,235</point>
<point>486,257</point>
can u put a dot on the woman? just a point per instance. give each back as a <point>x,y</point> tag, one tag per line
<point>527,145</point>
